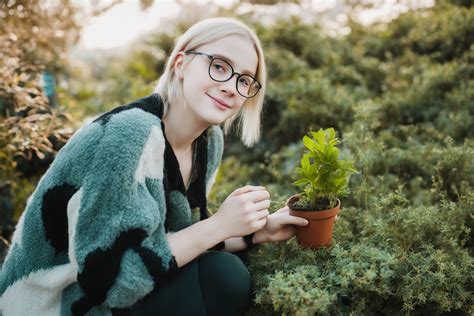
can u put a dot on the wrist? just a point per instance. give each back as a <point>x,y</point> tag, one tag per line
<point>248,240</point>
<point>254,238</point>
<point>259,237</point>
<point>220,234</point>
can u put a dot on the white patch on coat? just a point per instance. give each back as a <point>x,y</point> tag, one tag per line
<point>40,292</point>
<point>73,207</point>
<point>210,183</point>
<point>152,159</point>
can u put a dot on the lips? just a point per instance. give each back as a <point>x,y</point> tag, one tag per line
<point>220,101</point>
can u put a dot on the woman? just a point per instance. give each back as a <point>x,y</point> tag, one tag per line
<point>109,228</point>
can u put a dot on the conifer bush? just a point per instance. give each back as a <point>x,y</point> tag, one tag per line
<point>403,242</point>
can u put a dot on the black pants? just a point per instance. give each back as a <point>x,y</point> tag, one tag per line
<point>215,283</point>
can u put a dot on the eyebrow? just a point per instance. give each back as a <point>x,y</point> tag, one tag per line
<point>248,72</point>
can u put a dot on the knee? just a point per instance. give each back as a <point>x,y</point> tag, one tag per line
<point>227,273</point>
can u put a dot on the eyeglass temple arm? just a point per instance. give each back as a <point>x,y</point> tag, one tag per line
<point>198,53</point>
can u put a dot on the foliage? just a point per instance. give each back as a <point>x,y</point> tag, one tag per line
<point>403,244</point>
<point>29,126</point>
<point>34,38</point>
<point>323,174</point>
<point>404,240</point>
<point>382,262</point>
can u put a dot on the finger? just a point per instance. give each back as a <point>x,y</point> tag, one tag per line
<point>257,196</point>
<point>262,205</point>
<point>283,210</point>
<point>245,189</point>
<point>262,214</point>
<point>261,223</point>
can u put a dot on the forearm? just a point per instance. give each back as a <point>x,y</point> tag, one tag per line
<point>189,243</point>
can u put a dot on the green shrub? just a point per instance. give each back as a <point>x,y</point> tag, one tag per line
<point>386,260</point>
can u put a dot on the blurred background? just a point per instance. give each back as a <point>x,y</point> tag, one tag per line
<point>394,78</point>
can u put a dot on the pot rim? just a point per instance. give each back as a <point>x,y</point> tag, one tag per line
<point>315,214</point>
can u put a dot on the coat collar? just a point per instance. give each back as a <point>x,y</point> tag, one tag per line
<point>173,181</point>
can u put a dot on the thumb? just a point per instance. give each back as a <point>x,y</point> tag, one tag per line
<point>295,220</point>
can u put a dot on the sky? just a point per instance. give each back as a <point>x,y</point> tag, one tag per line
<point>125,22</point>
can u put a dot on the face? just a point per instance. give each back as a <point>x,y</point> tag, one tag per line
<point>201,92</point>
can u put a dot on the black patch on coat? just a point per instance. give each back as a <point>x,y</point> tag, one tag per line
<point>101,268</point>
<point>154,265</point>
<point>54,215</point>
<point>171,168</point>
<point>197,196</point>
<point>151,104</point>
<point>173,181</point>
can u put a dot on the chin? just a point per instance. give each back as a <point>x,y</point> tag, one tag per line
<point>215,121</point>
<point>216,118</point>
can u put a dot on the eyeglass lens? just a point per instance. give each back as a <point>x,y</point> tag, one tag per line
<point>220,70</point>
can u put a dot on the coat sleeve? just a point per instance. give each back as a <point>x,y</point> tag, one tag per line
<point>120,244</point>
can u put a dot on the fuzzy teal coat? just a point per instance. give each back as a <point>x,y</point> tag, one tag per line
<point>93,234</point>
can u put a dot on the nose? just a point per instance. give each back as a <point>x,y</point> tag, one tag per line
<point>229,86</point>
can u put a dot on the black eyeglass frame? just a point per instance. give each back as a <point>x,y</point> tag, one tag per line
<point>211,59</point>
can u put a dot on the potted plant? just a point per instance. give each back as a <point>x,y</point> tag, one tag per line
<point>323,178</point>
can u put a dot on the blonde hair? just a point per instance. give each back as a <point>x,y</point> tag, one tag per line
<point>170,87</point>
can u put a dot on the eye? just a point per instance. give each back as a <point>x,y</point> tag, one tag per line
<point>244,81</point>
<point>219,67</point>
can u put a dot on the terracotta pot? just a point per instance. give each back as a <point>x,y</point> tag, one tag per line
<point>318,233</point>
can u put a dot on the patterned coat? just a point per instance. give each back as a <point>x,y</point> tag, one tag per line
<point>93,234</point>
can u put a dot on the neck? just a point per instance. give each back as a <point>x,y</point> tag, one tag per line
<point>182,128</point>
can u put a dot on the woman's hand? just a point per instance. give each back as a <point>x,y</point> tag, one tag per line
<point>244,211</point>
<point>279,226</point>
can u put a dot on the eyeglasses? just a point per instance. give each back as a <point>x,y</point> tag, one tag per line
<point>221,71</point>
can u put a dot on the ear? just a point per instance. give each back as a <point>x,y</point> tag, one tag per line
<point>178,65</point>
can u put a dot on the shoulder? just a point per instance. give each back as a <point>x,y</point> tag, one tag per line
<point>129,124</point>
<point>120,137</point>
<point>150,106</point>
<point>132,138</point>
<point>140,113</point>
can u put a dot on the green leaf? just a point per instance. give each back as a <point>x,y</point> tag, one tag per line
<point>305,162</point>
<point>308,142</point>
<point>322,173</point>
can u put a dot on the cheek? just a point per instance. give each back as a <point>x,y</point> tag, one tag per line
<point>240,104</point>
<point>192,84</point>
<point>238,107</point>
<point>196,82</point>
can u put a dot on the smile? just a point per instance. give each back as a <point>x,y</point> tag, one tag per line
<point>219,104</point>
